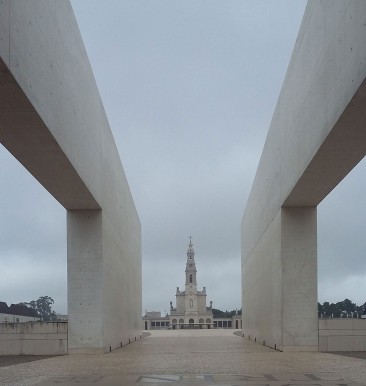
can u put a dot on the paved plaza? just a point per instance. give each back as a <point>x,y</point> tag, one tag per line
<point>190,357</point>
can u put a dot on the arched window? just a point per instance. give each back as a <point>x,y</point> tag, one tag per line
<point>191,303</point>
<point>190,278</point>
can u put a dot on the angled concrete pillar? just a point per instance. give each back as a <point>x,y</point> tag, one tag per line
<point>280,283</point>
<point>85,271</point>
<point>53,121</point>
<point>299,279</point>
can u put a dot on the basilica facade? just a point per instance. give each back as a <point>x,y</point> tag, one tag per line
<point>191,310</point>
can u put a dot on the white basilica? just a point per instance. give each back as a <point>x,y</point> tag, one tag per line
<point>191,310</point>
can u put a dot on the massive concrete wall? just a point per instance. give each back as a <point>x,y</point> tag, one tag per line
<point>53,121</point>
<point>315,138</point>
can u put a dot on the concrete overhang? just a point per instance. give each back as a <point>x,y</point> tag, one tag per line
<point>343,148</point>
<point>24,134</point>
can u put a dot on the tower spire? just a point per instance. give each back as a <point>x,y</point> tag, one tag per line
<point>190,250</point>
<point>190,266</point>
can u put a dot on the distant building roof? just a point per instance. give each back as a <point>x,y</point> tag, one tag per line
<point>17,309</point>
<point>3,308</point>
<point>154,315</point>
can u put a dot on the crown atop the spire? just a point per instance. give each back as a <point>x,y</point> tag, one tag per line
<point>190,250</point>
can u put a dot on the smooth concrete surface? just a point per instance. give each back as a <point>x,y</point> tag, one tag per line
<point>342,335</point>
<point>186,357</point>
<point>299,279</point>
<point>33,338</point>
<point>53,121</point>
<point>315,138</point>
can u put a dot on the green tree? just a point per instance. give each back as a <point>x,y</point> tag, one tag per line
<point>346,306</point>
<point>329,310</point>
<point>224,314</point>
<point>320,310</point>
<point>339,309</point>
<point>218,313</point>
<point>43,307</point>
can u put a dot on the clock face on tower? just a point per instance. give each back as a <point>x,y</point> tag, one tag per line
<point>190,265</point>
<point>191,293</point>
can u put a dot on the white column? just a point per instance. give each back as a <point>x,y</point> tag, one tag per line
<point>299,279</point>
<point>85,281</point>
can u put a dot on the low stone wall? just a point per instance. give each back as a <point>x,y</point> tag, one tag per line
<point>33,338</point>
<point>342,335</point>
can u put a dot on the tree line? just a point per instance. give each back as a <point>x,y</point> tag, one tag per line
<point>43,308</point>
<point>225,314</point>
<point>344,309</point>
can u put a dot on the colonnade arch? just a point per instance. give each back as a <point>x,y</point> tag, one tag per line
<point>315,138</point>
<point>53,122</point>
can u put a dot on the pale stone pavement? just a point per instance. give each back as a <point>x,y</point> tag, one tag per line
<point>190,357</point>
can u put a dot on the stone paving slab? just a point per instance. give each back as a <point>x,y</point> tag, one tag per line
<point>182,358</point>
<point>8,360</point>
<point>354,354</point>
<point>280,379</point>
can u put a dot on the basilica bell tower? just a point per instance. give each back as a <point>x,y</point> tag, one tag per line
<point>191,310</point>
<point>191,271</point>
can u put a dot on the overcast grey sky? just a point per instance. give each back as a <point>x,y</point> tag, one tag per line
<point>189,88</point>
